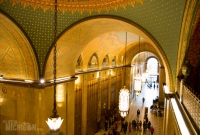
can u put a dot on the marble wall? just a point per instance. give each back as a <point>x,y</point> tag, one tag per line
<point>24,110</point>
<point>19,110</point>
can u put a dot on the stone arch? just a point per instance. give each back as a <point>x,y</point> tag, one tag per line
<point>93,27</point>
<point>79,63</point>
<point>113,61</point>
<point>18,58</point>
<point>93,63</point>
<point>105,62</point>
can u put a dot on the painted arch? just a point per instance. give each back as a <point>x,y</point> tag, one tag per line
<point>102,34</point>
<point>17,57</point>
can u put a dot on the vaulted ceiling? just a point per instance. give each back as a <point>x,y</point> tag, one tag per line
<point>100,26</point>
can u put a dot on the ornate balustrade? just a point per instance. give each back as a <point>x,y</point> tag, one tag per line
<point>192,104</point>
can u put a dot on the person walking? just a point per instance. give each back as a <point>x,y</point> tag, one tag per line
<point>106,125</point>
<point>125,127</point>
<point>116,125</point>
<point>152,130</point>
<point>122,126</point>
<point>129,127</point>
<point>133,124</point>
<point>144,126</point>
<point>138,113</point>
<point>143,99</point>
<point>137,125</point>
<point>149,125</point>
<point>140,125</point>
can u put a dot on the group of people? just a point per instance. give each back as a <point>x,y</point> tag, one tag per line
<point>137,126</point>
<point>134,125</point>
<point>150,85</point>
<point>114,120</point>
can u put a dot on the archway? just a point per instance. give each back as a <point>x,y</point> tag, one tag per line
<point>97,33</point>
<point>18,60</point>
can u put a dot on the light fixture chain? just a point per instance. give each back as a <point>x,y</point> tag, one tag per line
<point>54,58</point>
<point>125,61</point>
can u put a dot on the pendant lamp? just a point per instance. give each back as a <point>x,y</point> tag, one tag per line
<point>124,93</point>
<point>54,122</point>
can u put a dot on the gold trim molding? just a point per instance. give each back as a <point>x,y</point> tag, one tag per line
<point>77,5</point>
<point>185,31</point>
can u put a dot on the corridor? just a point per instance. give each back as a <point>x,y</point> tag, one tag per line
<point>157,122</point>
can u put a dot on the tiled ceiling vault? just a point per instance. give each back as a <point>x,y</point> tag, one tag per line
<point>17,59</point>
<point>78,5</point>
<point>161,20</point>
<point>84,39</point>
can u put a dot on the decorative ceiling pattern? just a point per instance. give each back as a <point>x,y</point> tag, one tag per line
<point>162,19</point>
<point>17,59</point>
<point>108,40</point>
<point>77,5</point>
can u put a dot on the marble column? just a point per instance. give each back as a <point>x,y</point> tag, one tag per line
<point>70,110</point>
<point>161,81</point>
<point>128,78</point>
<point>109,90</point>
<point>84,105</point>
<point>181,90</point>
<point>99,98</point>
<point>168,118</point>
<point>118,77</point>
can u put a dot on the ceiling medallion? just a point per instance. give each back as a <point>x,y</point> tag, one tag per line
<point>77,5</point>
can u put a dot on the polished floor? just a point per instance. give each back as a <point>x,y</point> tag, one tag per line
<point>157,122</point>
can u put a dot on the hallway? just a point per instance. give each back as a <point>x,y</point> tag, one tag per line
<point>136,103</point>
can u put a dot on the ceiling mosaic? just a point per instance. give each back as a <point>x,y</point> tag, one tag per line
<point>160,19</point>
<point>77,5</point>
<point>17,59</point>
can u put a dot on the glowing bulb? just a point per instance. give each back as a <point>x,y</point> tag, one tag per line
<point>42,81</point>
<point>54,123</point>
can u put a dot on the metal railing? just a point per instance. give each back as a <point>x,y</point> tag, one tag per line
<point>192,105</point>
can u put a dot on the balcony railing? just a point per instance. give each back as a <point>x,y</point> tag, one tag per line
<point>192,104</point>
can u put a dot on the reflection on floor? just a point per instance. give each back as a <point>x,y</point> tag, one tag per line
<point>156,122</point>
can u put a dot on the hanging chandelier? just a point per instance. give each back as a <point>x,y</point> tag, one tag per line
<point>137,78</point>
<point>124,93</point>
<point>54,122</point>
